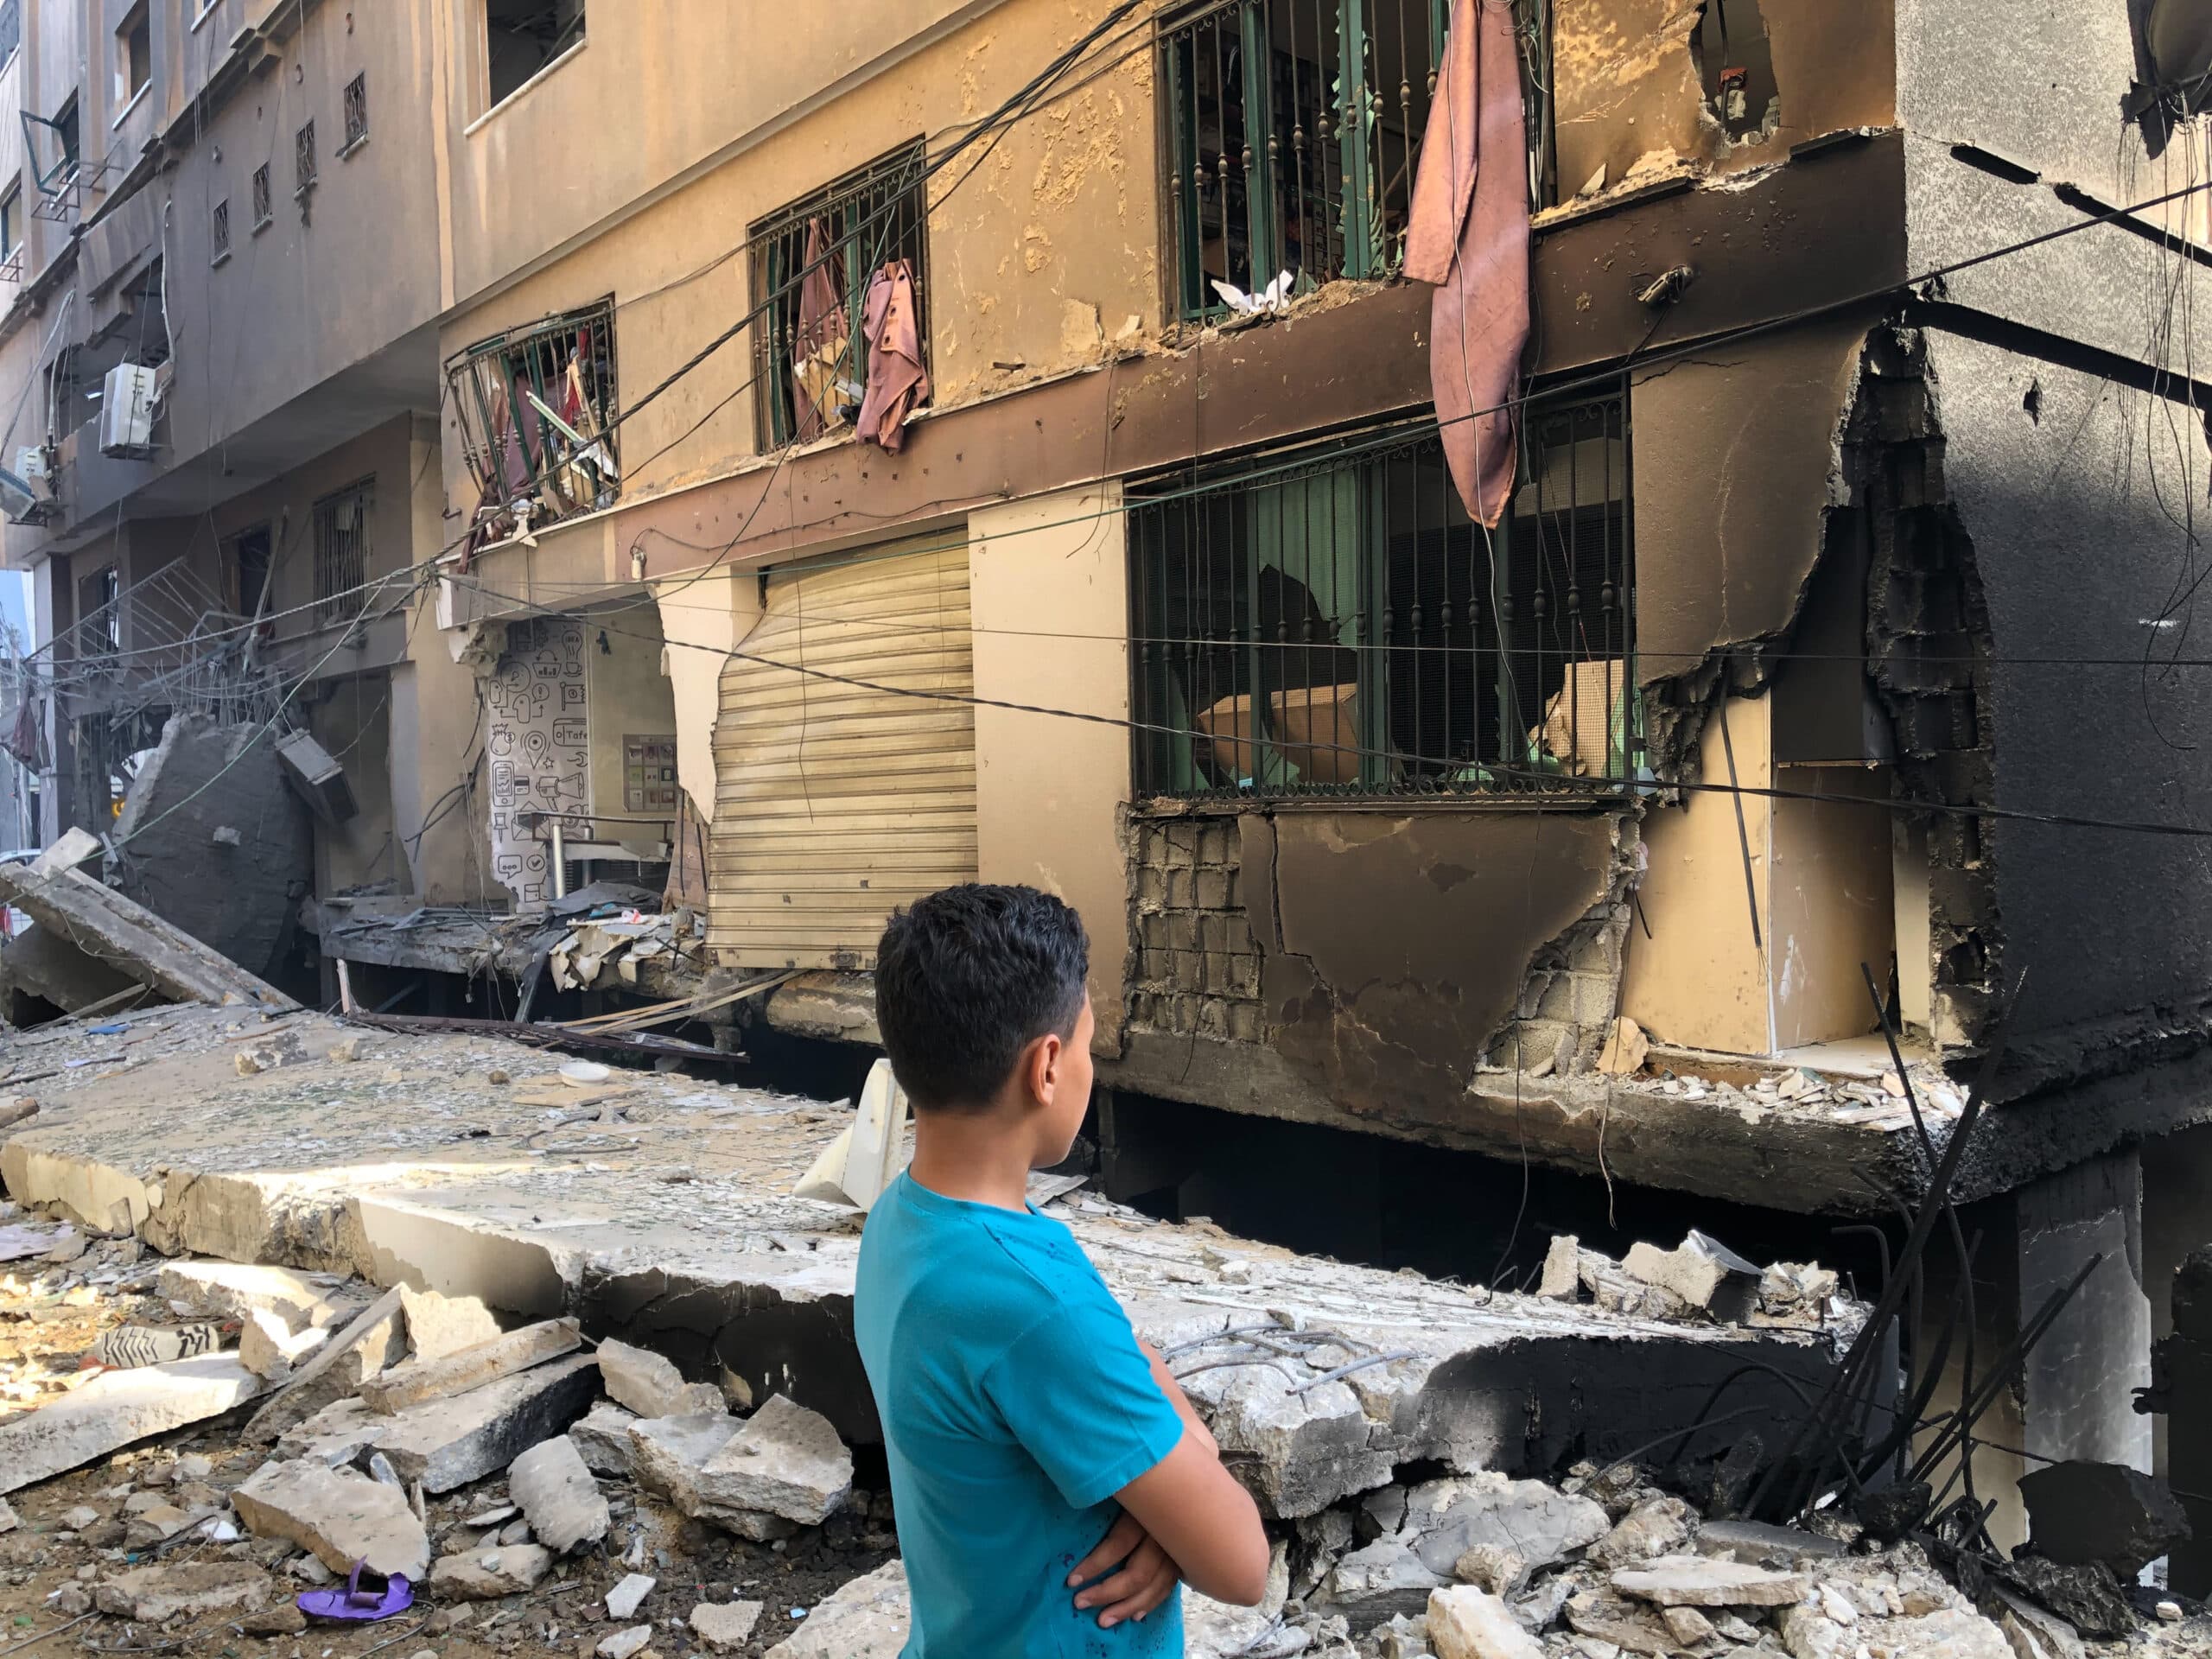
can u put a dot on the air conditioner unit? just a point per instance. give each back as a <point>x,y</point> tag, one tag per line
<point>21,503</point>
<point>318,779</point>
<point>127,411</point>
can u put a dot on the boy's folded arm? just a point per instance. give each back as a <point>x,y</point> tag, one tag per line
<point>1208,1524</point>
<point>1176,1397</point>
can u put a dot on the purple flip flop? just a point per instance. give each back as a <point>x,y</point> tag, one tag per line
<point>354,1603</point>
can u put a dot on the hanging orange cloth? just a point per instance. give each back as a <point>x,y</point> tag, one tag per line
<point>1469,236</point>
<point>897,382</point>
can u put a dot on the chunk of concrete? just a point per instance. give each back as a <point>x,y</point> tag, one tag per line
<point>1630,1626</point>
<point>566,1510</point>
<point>650,1384</point>
<point>669,1456</point>
<point>1701,1581</point>
<point>340,1516</point>
<point>190,1589</point>
<point>785,1460</point>
<point>439,1325</point>
<point>1466,1623</point>
<point>448,1443</point>
<point>1701,1271</point>
<point>340,1433</point>
<point>629,1594</point>
<point>725,1626</point>
<point>1562,1279</point>
<point>119,1408</point>
<point>486,1574</point>
<point>2032,1632</point>
<point>471,1367</point>
<point>364,1346</point>
<point>1380,1579</point>
<point>2080,1512</point>
<point>270,1349</point>
<point>232,1290</point>
<point>602,1437</point>
<point>1445,1519</point>
<point>867,1618</point>
<point>1658,1525</point>
<point>624,1643</point>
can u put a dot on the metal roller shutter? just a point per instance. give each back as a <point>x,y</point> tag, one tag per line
<point>835,803</point>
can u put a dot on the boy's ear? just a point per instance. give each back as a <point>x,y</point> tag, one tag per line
<point>1040,1069</point>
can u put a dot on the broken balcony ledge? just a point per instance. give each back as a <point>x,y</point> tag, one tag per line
<point>653,1207</point>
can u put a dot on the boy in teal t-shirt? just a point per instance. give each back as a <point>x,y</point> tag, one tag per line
<point>1053,1485</point>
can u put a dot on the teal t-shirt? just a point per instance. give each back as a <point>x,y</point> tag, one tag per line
<point>1015,1403</point>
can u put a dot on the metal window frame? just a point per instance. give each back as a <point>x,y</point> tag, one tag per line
<point>357,114</point>
<point>1271,164</point>
<point>264,198</point>
<point>873,199</point>
<point>1495,677</point>
<point>218,231</point>
<point>341,573</point>
<point>555,462</point>
<point>307,167</point>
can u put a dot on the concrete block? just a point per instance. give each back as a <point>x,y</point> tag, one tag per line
<point>270,1349</point>
<point>191,1590</point>
<point>601,1436</point>
<point>867,1618</point>
<point>439,1325</point>
<point>624,1644</point>
<point>119,1408</point>
<point>340,1516</point>
<point>362,1347</point>
<point>649,1383</point>
<point>482,1574</point>
<point>449,1442</point>
<point>785,1460</point>
<point>669,1455</point>
<point>1702,1581</point>
<point>725,1626</point>
<point>341,1433</point>
<point>566,1510</point>
<point>629,1594</point>
<point>458,1373</point>
<point>1447,1518</point>
<point>1466,1623</point>
<point>234,1290</point>
<point>1379,1580</point>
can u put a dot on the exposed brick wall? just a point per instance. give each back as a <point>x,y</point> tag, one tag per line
<point>1571,994</point>
<point>1194,967</point>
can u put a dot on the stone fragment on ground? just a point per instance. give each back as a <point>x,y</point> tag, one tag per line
<point>1380,1579</point>
<point>725,1626</point>
<point>601,1435</point>
<point>565,1509</point>
<point>339,1514</point>
<point>867,1618</point>
<point>284,1619</point>
<point>784,1460</point>
<point>1656,1526</point>
<point>439,1325</point>
<point>449,1442</point>
<point>669,1457</point>
<point>623,1644</point>
<point>190,1589</point>
<point>482,1574</point>
<point>2080,1511</point>
<point>116,1409</point>
<point>1447,1518</point>
<point>422,1380</point>
<point>1704,1581</point>
<point>360,1349</point>
<point>627,1596</point>
<point>233,1290</point>
<point>1467,1622</point>
<point>649,1384</point>
<point>270,1349</point>
<point>337,1434</point>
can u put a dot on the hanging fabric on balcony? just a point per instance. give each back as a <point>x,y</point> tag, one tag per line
<point>819,352</point>
<point>897,382</point>
<point>1469,237</point>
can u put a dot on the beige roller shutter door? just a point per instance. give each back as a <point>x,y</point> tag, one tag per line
<point>836,802</point>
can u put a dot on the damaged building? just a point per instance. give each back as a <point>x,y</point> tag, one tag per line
<point>1048,443</point>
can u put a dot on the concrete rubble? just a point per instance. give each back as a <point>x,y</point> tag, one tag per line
<point>1447,1473</point>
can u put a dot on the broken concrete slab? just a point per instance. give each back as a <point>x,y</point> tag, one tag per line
<point>1703,1581</point>
<point>449,1442</point>
<point>439,1325</point>
<point>119,1408</point>
<point>365,1344</point>
<point>669,1456</point>
<point>650,1384</point>
<point>1380,1579</point>
<point>270,1349</point>
<point>340,1516</point>
<point>725,1626</point>
<point>486,1574</point>
<point>867,1618</point>
<point>1538,1523</point>
<point>191,1589</point>
<point>340,1433</point>
<point>601,1435</point>
<point>2032,1632</point>
<point>2080,1511</point>
<point>56,894</point>
<point>232,1290</point>
<point>1464,1623</point>
<point>457,1373</point>
<point>624,1643</point>
<point>629,1594</point>
<point>566,1510</point>
<point>784,1460</point>
<point>1701,1271</point>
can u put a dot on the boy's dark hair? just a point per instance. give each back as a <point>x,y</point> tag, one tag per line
<point>969,977</point>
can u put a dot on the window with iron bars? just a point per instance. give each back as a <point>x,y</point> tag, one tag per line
<point>303,159</point>
<point>1293,134</point>
<point>537,414</point>
<point>1333,623</point>
<point>356,114</point>
<point>342,551</point>
<point>264,211</point>
<point>812,264</point>
<point>98,632</point>
<point>219,233</point>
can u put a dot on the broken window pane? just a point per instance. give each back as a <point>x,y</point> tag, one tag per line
<point>1337,625</point>
<point>522,36</point>
<point>537,416</point>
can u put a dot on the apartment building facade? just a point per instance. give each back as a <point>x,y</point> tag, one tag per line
<point>507,365</point>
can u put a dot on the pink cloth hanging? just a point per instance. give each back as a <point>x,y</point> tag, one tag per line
<point>1469,236</point>
<point>897,382</point>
